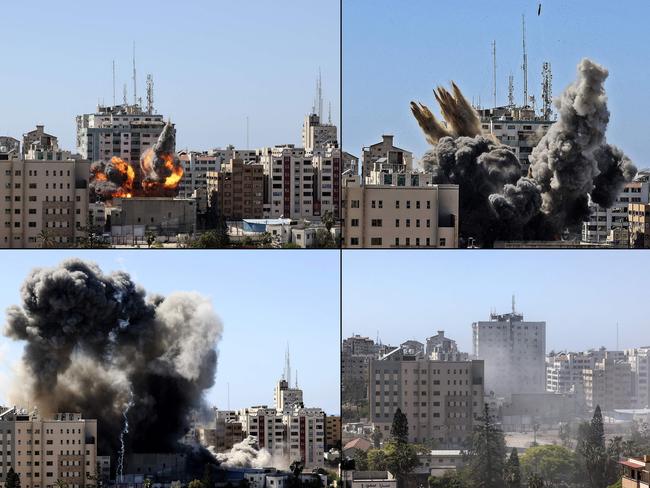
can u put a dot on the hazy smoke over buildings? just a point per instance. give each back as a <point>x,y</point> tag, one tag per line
<point>571,162</point>
<point>246,454</point>
<point>96,341</point>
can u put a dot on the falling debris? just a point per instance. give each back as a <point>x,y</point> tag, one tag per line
<point>571,163</point>
<point>246,454</point>
<point>539,9</point>
<point>97,344</point>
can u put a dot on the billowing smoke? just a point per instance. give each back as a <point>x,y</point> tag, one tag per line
<point>159,166</point>
<point>245,454</point>
<point>112,179</point>
<point>571,163</point>
<point>96,342</point>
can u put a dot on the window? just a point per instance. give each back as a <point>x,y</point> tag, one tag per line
<point>375,241</point>
<point>443,242</point>
<point>376,222</point>
<point>354,223</point>
<point>396,222</point>
<point>354,204</point>
<point>354,241</point>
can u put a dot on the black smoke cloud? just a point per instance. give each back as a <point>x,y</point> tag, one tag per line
<point>570,164</point>
<point>93,340</point>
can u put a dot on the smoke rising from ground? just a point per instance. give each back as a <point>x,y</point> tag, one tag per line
<point>95,341</point>
<point>571,163</point>
<point>245,454</point>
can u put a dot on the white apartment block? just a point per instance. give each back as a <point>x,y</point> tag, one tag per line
<point>124,131</point>
<point>441,399</point>
<point>301,185</point>
<point>317,135</point>
<point>286,398</point>
<point>514,352</point>
<point>564,371</point>
<point>517,127</point>
<point>399,210</point>
<point>266,425</point>
<point>639,360</point>
<point>603,220</point>
<point>43,451</point>
<point>608,384</point>
<point>43,202</point>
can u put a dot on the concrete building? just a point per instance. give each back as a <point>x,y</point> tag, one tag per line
<point>638,216</point>
<point>639,360</point>
<point>608,384</point>
<point>44,202</point>
<point>9,146</point>
<point>45,450</point>
<point>125,131</point>
<point>564,371</point>
<point>286,398</point>
<point>441,348</point>
<point>317,135</point>
<point>358,345</point>
<point>520,128</point>
<point>440,461</point>
<point>636,472</point>
<point>350,164</point>
<point>440,399</point>
<point>368,479</point>
<point>407,212</point>
<point>514,352</point>
<point>332,432</point>
<point>38,138</point>
<point>388,151</point>
<point>134,217</point>
<point>603,220</point>
<point>237,190</point>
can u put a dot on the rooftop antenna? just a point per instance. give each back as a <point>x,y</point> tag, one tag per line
<point>511,90</point>
<point>329,113</point>
<point>547,90</point>
<point>149,94</point>
<point>320,95</point>
<point>135,94</point>
<point>113,83</point>
<point>287,366</point>
<point>524,67</point>
<point>494,74</point>
<point>513,303</point>
<point>124,94</point>
<point>296,379</point>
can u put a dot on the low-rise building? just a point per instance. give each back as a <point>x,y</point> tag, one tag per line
<point>636,472</point>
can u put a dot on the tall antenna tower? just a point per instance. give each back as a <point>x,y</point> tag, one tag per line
<point>113,83</point>
<point>135,86</point>
<point>524,67</point>
<point>547,90</point>
<point>124,94</point>
<point>494,74</point>
<point>511,90</point>
<point>319,94</point>
<point>149,94</point>
<point>513,303</point>
<point>329,113</point>
<point>287,367</point>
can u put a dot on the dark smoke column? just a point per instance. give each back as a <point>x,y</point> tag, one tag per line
<point>95,340</point>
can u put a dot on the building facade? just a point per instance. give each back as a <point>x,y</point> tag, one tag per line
<point>389,152</point>
<point>237,190</point>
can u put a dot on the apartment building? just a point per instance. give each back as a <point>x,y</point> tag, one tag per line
<point>636,472</point>
<point>285,397</point>
<point>639,360</point>
<point>514,351</point>
<point>440,399</point>
<point>9,145</point>
<point>317,135</point>
<point>405,211</point>
<point>608,384</point>
<point>638,216</point>
<point>603,220</point>
<point>387,151</point>
<point>38,138</point>
<point>125,131</point>
<point>332,432</point>
<point>358,345</point>
<point>441,348</point>
<point>519,128</point>
<point>237,190</point>
<point>44,202</point>
<point>564,371</point>
<point>43,451</point>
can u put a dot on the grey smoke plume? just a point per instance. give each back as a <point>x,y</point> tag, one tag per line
<point>245,454</point>
<point>95,339</point>
<point>570,164</point>
<point>159,163</point>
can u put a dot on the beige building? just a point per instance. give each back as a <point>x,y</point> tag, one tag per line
<point>318,135</point>
<point>638,215</point>
<point>237,190</point>
<point>44,202</point>
<point>636,472</point>
<point>332,431</point>
<point>161,215</point>
<point>389,152</point>
<point>43,451</point>
<point>415,214</point>
<point>440,399</point>
<point>608,384</point>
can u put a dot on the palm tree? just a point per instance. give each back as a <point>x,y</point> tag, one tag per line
<point>46,238</point>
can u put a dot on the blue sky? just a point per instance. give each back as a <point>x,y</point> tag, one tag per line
<point>265,299</point>
<point>213,62</point>
<point>395,52</point>
<point>580,294</point>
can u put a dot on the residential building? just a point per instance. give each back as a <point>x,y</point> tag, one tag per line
<point>405,210</point>
<point>636,472</point>
<point>514,352</point>
<point>9,146</point>
<point>44,201</point>
<point>285,397</point>
<point>332,432</point>
<point>125,131</point>
<point>608,384</point>
<point>350,164</point>
<point>639,360</point>
<point>237,190</point>
<point>441,348</point>
<point>38,138</point>
<point>440,461</point>
<point>388,151</point>
<point>44,451</point>
<point>520,128</point>
<point>368,479</point>
<point>317,135</point>
<point>440,399</point>
<point>564,371</point>
<point>603,220</point>
<point>163,216</point>
<point>638,216</point>
<point>358,345</point>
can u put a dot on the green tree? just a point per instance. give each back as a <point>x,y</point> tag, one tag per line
<point>555,464</point>
<point>148,483</point>
<point>592,455</point>
<point>61,484</point>
<point>487,453</point>
<point>195,484</point>
<point>512,471</point>
<point>13,479</point>
<point>399,430</point>
<point>360,458</point>
<point>328,220</point>
<point>46,239</point>
<point>535,481</point>
<point>450,479</point>
<point>211,239</point>
<point>401,459</point>
<point>376,460</point>
<point>323,239</point>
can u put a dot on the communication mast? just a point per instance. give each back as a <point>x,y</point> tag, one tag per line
<point>511,90</point>
<point>524,66</point>
<point>149,94</point>
<point>547,91</point>
<point>124,101</point>
<point>494,74</point>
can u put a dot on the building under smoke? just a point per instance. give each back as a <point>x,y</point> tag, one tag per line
<point>99,344</point>
<point>571,164</point>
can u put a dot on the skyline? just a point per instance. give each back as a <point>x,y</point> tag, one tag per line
<point>208,76</point>
<point>473,284</point>
<point>244,337</point>
<point>445,42</point>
